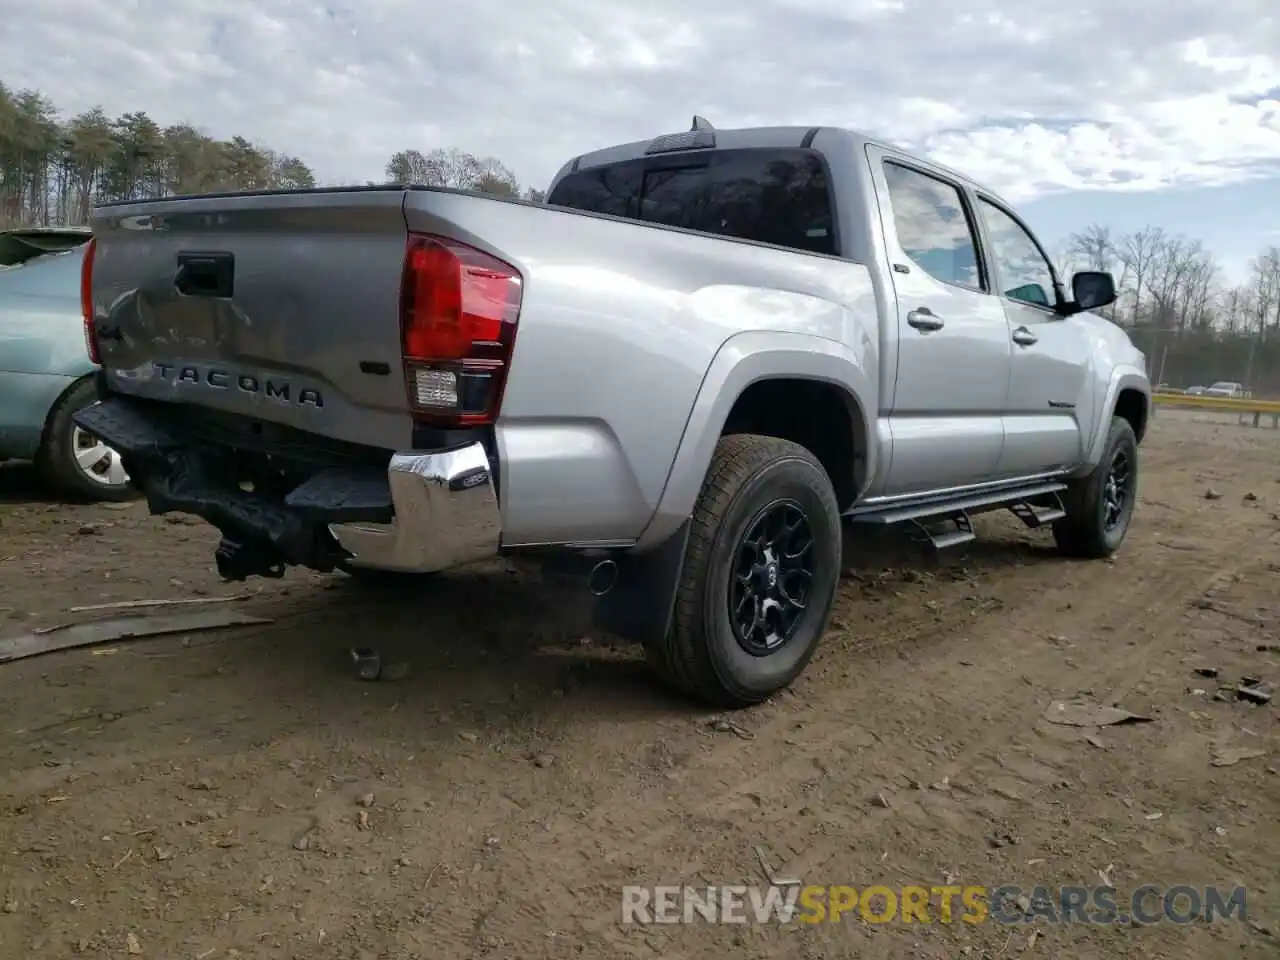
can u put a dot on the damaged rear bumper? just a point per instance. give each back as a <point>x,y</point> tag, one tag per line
<point>445,514</point>
<point>423,511</point>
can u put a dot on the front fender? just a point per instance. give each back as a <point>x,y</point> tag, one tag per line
<point>742,360</point>
<point>1123,376</point>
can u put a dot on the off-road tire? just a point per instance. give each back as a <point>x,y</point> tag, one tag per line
<point>700,655</point>
<point>1082,532</point>
<point>55,461</point>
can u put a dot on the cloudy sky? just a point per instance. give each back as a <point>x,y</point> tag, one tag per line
<point>1120,111</point>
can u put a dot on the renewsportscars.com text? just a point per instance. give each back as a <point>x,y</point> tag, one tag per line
<point>1006,904</point>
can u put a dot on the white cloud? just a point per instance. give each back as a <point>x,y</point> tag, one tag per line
<point>1031,96</point>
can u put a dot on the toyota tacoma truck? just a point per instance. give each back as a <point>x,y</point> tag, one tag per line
<point>687,375</point>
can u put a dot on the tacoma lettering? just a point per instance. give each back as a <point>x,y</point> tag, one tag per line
<point>282,391</point>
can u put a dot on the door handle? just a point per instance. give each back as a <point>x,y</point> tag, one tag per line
<point>1024,337</point>
<point>923,319</point>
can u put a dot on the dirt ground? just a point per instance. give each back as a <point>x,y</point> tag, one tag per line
<point>241,793</point>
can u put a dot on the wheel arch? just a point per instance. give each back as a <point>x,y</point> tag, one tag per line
<point>821,416</point>
<point>1128,386</point>
<point>57,403</point>
<point>752,370</point>
<point>1134,406</point>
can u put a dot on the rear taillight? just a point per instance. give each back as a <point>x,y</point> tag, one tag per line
<point>86,299</point>
<point>458,313</point>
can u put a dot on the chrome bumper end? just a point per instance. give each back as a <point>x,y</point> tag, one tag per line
<point>446,514</point>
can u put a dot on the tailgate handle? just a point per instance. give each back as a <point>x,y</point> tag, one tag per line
<point>206,274</point>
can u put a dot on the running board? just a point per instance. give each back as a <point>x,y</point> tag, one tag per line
<point>1035,516</point>
<point>961,532</point>
<point>945,522</point>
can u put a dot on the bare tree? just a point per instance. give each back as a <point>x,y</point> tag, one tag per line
<point>411,167</point>
<point>1094,247</point>
<point>1136,251</point>
<point>495,178</point>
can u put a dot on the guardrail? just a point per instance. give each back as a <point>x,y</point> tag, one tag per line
<point>1240,406</point>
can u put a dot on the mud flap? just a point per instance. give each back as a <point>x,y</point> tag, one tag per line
<point>641,605</point>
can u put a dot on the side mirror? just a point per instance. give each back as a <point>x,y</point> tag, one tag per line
<point>1091,289</point>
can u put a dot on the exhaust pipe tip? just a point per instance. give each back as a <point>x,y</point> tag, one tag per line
<point>602,578</point>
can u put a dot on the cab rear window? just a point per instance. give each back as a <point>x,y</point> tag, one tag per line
<point>769,196</point>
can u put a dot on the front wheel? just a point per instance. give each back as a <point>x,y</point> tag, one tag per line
<point>760,574</point>
<point>1099,506</point>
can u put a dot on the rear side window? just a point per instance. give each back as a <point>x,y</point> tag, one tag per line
<point>614,190</point>
<point>769,196</point>
<point>932,226</point>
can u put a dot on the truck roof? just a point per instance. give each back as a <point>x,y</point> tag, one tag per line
<point>749,137</point>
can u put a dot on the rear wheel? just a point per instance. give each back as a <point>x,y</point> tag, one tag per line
<point>759,577</point>
<point>75,462</point>
<point>1100,506</point>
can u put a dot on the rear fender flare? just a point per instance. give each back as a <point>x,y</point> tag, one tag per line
<point>742,360</point>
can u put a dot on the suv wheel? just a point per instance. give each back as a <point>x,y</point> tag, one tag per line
<point>75,462</point>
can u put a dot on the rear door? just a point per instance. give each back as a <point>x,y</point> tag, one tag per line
<point>1049,402</point>
<point>954,349</point>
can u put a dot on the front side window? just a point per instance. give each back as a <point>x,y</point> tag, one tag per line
<point>769,196</point>
<point>1025,274</point>
<point>932,226</point>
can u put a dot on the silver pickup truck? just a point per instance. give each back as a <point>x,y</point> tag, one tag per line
<point>684,377</point>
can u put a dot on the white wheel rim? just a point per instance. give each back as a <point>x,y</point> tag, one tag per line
<point>98,462</point>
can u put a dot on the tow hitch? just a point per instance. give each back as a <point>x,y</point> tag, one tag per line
<point>263,530</point>
<point>239,561</point>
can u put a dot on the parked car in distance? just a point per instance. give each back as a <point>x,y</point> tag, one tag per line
<point>1194,391</point>
<point>1225,388</point>
<point>682,375</point>
<point>45,371</point>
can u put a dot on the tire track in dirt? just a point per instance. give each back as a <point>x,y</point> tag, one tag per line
<point>642,832</point>
<point>995,791</point>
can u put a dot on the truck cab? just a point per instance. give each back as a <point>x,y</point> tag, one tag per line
<point>988,368</point>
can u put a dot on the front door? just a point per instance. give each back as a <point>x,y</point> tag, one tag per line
<point>1049,397</point>
<point>946,409</point>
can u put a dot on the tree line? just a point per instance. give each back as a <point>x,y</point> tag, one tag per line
<point>455,168</point>
<point>1194,327</point>
<point>53,169</point>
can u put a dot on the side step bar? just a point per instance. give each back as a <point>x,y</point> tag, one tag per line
<point>946,522</point>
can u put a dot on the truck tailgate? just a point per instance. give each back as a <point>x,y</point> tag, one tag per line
<point>282,307</point>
